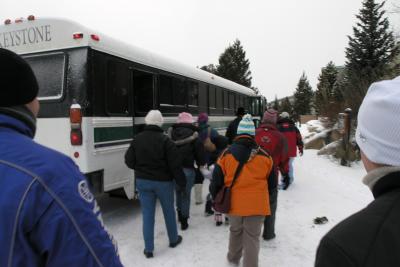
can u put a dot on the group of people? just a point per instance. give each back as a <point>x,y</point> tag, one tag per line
<point>48,216</point>
<point>174,163</point>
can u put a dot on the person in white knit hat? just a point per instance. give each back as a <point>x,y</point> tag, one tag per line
<point>371,236</point>
<point>157,163</point>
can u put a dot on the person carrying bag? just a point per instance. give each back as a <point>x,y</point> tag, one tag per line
<point>248,167</point>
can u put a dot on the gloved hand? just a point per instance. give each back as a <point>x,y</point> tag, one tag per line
<point>286,181</point>
<point>207,172</point>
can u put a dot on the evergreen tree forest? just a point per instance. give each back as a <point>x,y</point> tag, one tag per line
<point>303,98</point>
<point>370,53</point>
<point>233,65</point>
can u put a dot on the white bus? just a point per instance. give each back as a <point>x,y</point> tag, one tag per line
<point>115,84</point>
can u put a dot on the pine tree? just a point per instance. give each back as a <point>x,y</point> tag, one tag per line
<point>234,66</point>
<point>211,68</point>
<point>325,95</point>
<point>286,106</point>
<point>370,52</point>
<point>302,97</point>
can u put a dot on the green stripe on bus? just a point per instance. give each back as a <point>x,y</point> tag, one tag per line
<point>106,134</point>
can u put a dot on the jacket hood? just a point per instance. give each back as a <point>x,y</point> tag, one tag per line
<point>286,120</point>
<point>182,131</point>
<point>154,128</point>
<point>242,148</point>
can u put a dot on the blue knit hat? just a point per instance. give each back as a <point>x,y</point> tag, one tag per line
<point>246,126</point>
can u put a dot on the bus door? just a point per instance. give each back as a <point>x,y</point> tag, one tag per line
<point>143,96</point>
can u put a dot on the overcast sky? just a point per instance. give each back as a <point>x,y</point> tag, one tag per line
<point>282,38</point>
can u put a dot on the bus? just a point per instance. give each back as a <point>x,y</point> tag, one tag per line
<point>95,91</point>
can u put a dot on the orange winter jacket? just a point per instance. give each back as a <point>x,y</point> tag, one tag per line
<point>250,191</point>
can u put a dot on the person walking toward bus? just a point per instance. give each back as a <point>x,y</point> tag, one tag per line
<point>270,139</point>
<point>233,125</point>
<point>294,141</point>
<point>371,237</point>
<point>48,216</point>
<point>191,149</point>
<point>157,162</point>
<point>208,137</point>
<point>245,167</point>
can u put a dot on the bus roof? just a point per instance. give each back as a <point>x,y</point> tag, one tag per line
<point>49,34</point>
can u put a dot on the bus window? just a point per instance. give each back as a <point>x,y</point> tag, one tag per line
<point>51,86</point>
<point>179,94</point>
<point>220,100</point>
<point>211,97</point>
<point>193,93</point>
<point>165,93</point>
<point>231,101</point>
<point>226,99</point>
<point>117,94</point>
<point>143,88</point>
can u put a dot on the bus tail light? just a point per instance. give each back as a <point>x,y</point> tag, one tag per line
<point>31,17</point>
<point>76,137</point>
<point>19,20</point>
<point>7,22</point>
<point>75,118</point>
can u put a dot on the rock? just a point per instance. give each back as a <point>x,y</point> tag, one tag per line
<point>315,143</point>
<point>329,149</point>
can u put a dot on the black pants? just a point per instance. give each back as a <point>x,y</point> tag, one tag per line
<point>269,222</point>
<point>199,178</point>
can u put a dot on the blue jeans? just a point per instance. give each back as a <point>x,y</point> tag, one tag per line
<point>291,176</point>
<point>149,191</point>
<point>183,197</point>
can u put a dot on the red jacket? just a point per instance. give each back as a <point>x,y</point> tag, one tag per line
<point>293,136</point>
<point>269,138</point>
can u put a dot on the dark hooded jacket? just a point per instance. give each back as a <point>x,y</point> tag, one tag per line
<point>370,237</point>
<point>155,157</point>
<point>191,149</point>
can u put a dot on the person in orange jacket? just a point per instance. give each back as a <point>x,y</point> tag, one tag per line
<point>249,192</point>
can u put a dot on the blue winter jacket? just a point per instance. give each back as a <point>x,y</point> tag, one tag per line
<point>48,217</point>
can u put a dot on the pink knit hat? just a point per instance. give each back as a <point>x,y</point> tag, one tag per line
<point>202,118</point>
<point>270,116</point>
<point>185,117</point>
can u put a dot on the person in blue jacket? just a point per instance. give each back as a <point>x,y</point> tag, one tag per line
<point>48,216</point>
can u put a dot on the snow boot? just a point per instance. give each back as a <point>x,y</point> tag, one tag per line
<point>148,254</point>
<point>198,193</point>
<point>184,224</point>
<point>179,215</point>
<point>174,244</point>
<point>208,210</point>
<point>218,219</point>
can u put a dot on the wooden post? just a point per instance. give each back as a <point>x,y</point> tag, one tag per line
<point>346,136</point>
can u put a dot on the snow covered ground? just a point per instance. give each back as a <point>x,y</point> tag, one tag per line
<point>321,188</point>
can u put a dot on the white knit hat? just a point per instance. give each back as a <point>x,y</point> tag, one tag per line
<point>378,131</point>
<point>284,115</point>
<point>154,117</point>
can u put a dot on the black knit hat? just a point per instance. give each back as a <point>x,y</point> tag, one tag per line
<point>240,111</point>
<point>18,85</point>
